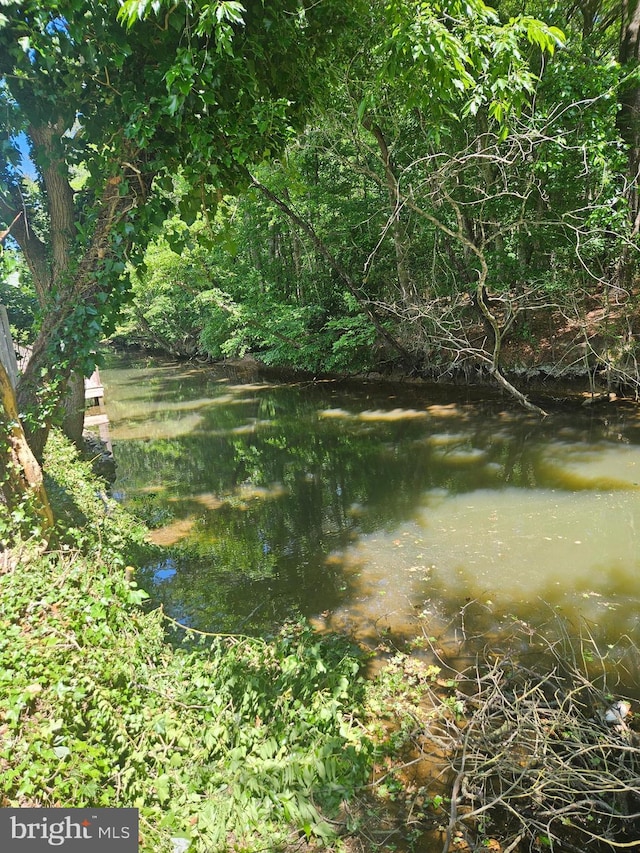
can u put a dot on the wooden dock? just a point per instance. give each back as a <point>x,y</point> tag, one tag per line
<point>96,413</point>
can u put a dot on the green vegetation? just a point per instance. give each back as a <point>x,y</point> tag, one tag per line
<point>473,213</point>
<point>427,186</point>
<point>111,104</point>
<point>106,703</point>
<point>432,187</point>
<point>238,743</point>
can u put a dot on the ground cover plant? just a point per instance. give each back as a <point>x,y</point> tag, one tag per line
<point>231,742</point>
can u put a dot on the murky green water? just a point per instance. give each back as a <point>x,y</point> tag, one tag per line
<point>373,507</point>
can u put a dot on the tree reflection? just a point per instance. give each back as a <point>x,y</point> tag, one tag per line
<point>272,488</point>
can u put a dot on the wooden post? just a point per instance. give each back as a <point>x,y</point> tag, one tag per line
<point>7,352</point>
<point>97,415</point>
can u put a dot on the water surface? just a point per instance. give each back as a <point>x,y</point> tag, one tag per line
<point>372,507</point>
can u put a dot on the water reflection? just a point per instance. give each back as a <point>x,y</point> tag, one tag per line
<point>372,507</point>
<point>514,551</point>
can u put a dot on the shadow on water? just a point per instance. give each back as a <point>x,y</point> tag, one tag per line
<point>373,508</point>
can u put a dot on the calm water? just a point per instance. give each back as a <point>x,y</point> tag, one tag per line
<point>373,507</point>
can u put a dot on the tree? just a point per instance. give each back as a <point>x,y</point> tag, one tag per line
<point>419,114</point>
<point>475,191</point>
<point>629,117</point>
<point>23,497</point>
<point>22,492</point>
<point>110,113</point>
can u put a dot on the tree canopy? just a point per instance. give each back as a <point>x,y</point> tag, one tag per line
<point>466,181</point>
<point>416,176</point>
<point>109,104</point>
<point>112,108</point>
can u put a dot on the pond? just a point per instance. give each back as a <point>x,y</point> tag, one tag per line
<point>375,508</point>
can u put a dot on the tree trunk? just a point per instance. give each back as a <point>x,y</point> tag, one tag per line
<point>67,275</point>
<point>629,113</point>
<point>53,358</point>
<point>47,140</point>
<point>21,479</point>
<point>40,386</point>
<point>73,406</point>
<point>397,231</point>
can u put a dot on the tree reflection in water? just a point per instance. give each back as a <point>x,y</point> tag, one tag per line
<point>372,505</point>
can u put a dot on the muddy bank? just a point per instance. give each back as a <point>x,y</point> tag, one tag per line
<point>547,384</point>
<point>554,362</point>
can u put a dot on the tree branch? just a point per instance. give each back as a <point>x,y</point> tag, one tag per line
<point>334,264</point>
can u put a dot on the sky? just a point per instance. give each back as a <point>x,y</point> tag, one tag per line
<point>26,167</point>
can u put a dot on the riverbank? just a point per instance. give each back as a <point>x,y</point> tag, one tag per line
<point>551,388</point>
<point>222,742</point>
<point>576,349</point>
<point>555,360</point>
<point>107,704</point>
<point>286,742</point>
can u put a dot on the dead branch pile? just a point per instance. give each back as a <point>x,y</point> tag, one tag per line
<point>547,755</point>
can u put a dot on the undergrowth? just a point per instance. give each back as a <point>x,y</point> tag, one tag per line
<point>234,743</point>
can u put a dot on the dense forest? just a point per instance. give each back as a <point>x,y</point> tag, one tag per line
<point>451,209</point>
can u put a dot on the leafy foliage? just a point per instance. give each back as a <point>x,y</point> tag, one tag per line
<point>112,103</point>
<point>211,738</point>
<point>227,293</point>
<point>458,151</point>
<point>18,296</point>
